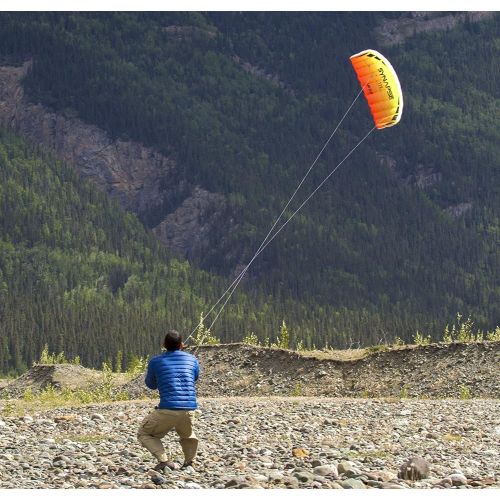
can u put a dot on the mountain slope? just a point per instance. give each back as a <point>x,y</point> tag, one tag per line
<point>406,235</point>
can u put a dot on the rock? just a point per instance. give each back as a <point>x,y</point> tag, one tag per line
<point>65,418</point>
<point>300,452</point>
<point>192,486</point>
<point>158,479</point>
<point>351,483</point>
<point>445,483</point>
<point>457,479</point>
<point>373,483</point>
<point>347,468</point>
<point>303,477</point>
<point>238,483</point>
<point>98,416</point>
<point>391,486</point>
<point>413,469</point>
<point>326,470</point>
<point>291,482</point>
<point>385,475</point>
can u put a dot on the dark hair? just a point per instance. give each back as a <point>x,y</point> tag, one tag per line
<point>173,341</point>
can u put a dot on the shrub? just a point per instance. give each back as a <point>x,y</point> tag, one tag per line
<point>47,358</point>
<point>251,339</point>
<point>398,341</point>
<point>203,335</point>
<point>136,365</point>
<point>461,331</point>
<point>464,392</point>
<point>494,335</point>
<point>300,346</point>
<point>419,339</point>
<point>283,341</point>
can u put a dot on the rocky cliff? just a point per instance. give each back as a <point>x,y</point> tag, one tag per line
<point>394,31</point>
<point>143,180</point>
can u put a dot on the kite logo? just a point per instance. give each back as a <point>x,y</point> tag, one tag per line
<point>386,83</point>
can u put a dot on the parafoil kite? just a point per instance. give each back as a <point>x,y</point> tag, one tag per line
<point>381,87</point>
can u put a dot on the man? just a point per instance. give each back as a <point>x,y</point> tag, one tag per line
<point>174,374</point>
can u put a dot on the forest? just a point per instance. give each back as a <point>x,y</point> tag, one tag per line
<point>375,254</point>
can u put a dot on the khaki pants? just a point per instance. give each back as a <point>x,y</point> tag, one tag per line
<point>159,422</point>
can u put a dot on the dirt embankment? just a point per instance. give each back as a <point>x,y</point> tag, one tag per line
<point>436,370</point>
<point>427,371</point>
<point>60,376</point>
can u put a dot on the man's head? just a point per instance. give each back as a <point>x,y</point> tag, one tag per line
<point>173,341</point>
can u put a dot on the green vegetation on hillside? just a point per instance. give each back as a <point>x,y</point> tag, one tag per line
<point>370,256</point>
<point>79,275</point>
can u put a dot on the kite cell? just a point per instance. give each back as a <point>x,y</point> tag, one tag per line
<point>381,87</point>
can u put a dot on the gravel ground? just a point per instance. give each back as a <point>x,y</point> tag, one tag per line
<point>260,443</point>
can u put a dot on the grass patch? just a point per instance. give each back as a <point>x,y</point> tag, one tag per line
<point>85,438</point>
<point>452,438</point>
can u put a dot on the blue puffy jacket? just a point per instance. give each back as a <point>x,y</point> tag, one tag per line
<point>174,373</point>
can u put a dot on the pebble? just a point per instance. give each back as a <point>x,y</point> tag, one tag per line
<point>351,483</point>
<point>326,470</point>
<point>457,479</point>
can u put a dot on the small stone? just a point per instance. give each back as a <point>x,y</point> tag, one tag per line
<point>303,477</point>
<point>300,452</point>
<point>413,469</point>
<point>158,480</point>
<point>445,483</point>
<point>192,486</point>
<point>98,416</point>
<point>457,479</point>
<point>373,483</point>
<point>291,482</point>
<point>385,475</point>
<point>106,486</point>
<point>351,483</point>
<point>348,469</point>
<point>326,470</point>
<point>64,418</point>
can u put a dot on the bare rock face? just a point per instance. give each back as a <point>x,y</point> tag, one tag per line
<point>139,177</point>
<point>126,170</point>
<point>394,31</point>
<point>458,210</point>
<point>187,230</point>
<point>422,178</point>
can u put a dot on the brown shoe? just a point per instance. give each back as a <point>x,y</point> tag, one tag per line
<point>161,466</point>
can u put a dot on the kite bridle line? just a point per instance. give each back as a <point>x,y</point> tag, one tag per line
<point>268,238</point>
